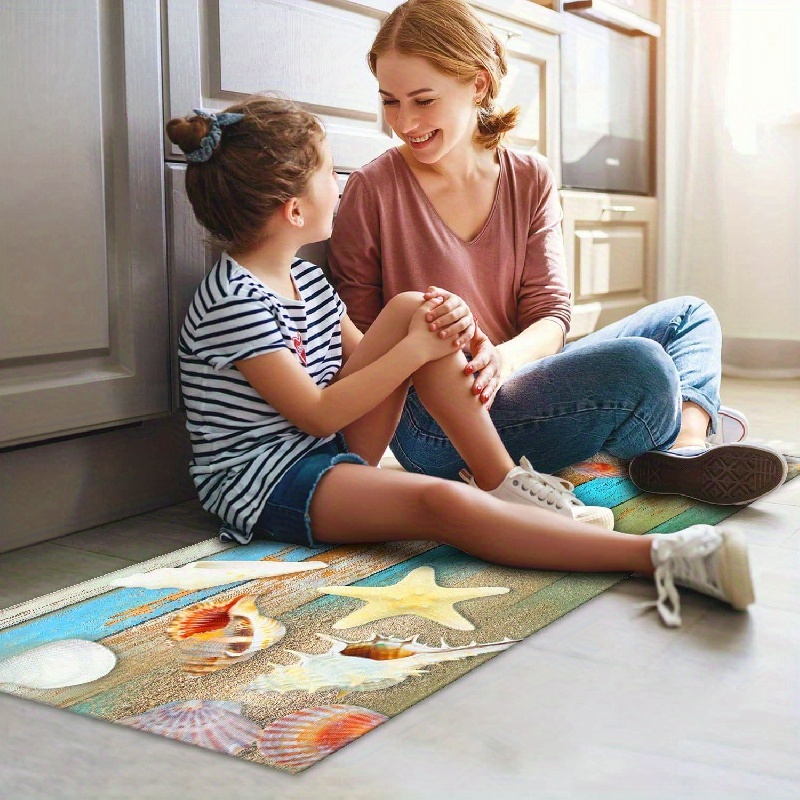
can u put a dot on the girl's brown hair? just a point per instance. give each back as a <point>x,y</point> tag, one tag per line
<point>457,43</point>
<point>260,162</point>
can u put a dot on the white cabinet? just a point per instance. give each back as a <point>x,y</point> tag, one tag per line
<point>530,36</point>
<point>313,51</point>
<point>83,329</point>
<point>610,242</point>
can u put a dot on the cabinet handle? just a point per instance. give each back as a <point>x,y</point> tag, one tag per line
<point>507,32</point>
<point>621,209</point>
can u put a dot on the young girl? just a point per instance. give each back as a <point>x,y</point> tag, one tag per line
<point>290,408</point>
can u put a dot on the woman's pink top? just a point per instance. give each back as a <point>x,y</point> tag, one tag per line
<point>388,239</point>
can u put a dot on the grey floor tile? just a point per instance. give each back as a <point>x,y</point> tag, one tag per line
<point>43,568</point>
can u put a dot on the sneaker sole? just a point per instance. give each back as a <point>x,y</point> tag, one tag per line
<point>730,474</point>
<point>734,568</point>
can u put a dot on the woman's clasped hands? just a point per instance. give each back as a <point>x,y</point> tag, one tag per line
<point>452,318</point>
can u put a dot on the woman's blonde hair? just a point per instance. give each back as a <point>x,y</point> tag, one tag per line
<point>258,164</point>
<point>457,43</point>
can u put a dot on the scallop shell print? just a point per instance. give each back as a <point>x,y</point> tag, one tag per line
<point>68,662</point>
<point>304,737</point>
<point>364,666</point>
<point>213,724</point>
<point>216,634</point>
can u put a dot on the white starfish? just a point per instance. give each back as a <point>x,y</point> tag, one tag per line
<point>417,593</point>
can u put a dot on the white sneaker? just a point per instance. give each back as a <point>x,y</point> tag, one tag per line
<point>525,486</point>
<point>732,426</point>
<point>702,558</point>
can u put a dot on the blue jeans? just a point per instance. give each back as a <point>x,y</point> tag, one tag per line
<point>618,389</point>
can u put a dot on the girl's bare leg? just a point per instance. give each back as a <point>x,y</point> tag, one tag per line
<point>443,388</point>
<point>370,435</point>
<point>357,504</point>
<point>446,392</point>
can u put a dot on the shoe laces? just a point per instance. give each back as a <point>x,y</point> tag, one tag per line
<point>684,558</point>
<point>547,488</point>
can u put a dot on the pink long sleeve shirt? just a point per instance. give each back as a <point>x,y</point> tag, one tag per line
<point>388,239</point>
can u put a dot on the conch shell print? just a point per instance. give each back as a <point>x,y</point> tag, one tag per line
<point>215,634</point>
<point>364,666</point>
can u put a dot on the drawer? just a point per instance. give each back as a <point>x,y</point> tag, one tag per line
<point>610,246</point>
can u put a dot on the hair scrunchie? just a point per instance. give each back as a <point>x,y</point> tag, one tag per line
<point>209,142</point>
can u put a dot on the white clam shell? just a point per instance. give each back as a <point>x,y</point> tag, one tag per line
<point>68,662</point>
<point>207,574</point>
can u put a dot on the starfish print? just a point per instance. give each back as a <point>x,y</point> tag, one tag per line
<point>417,593</point>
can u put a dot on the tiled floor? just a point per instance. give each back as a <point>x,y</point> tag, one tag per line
<point>605,702</point>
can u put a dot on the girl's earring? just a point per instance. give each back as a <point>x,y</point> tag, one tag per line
<point>478,101</point>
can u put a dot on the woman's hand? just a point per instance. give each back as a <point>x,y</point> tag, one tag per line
<point>427,344</point>
<point>451,318</point>
<point>486,362</point>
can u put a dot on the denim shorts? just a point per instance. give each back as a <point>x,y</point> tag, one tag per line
<point>286,516</point>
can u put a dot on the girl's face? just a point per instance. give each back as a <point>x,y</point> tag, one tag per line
<point>431,112</point>
<point>319,199</point>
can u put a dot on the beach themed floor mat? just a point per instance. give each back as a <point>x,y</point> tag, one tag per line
<point>282,655</point>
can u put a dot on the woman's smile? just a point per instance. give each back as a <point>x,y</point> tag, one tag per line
<point>418,142</point>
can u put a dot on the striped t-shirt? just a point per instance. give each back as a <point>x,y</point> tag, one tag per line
<point>241,445</point>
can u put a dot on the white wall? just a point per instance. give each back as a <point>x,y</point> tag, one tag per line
<point>731,176</point>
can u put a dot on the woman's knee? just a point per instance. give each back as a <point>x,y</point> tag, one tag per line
<point>647,367</point>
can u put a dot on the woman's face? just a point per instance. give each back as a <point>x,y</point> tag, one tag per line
<point>431,112</point>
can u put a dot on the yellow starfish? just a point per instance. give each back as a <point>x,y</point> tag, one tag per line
<point>418,593</point>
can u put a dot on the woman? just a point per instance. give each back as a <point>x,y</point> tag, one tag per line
<point>452,207</point>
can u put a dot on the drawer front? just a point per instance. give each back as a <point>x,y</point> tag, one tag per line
<point>610,246</point>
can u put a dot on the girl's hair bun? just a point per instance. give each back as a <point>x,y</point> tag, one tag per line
<point>188,133</point>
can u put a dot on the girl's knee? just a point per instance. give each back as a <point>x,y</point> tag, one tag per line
<point>440,500</point>
<point>404,305</point>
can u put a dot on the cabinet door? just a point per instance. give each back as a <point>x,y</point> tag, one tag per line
<point>610,246</point>
<point>313,51</point>
<point>83,308</point>
<point>530,37</point>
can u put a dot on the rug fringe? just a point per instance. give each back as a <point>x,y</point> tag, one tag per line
<point>22,612</point>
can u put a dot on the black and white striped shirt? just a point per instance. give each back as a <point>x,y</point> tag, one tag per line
<point>241,445</point>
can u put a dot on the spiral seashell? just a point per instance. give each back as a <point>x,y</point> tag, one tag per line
<point>382,648</point>
<point>367,667</point>
<point>214,634</point>
<point>304,737</point>
<point>68,662</point>
<point>215,725</point>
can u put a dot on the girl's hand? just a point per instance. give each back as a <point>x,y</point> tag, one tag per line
<point>429,345</point>
<point>485,362</point>
<point>450,318</point>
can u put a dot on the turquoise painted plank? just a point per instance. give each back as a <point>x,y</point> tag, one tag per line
<point>606,492</point>
<point>87,620</point>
